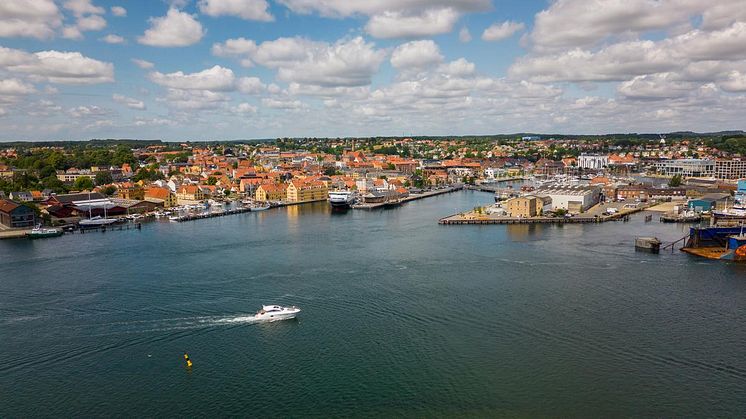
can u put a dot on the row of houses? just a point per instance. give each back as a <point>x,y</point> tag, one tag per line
<point>297,190</point>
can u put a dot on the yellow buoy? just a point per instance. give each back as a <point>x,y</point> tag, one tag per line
<point>188,361</point>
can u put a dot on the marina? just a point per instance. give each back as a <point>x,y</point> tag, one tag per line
<point>379,325</point>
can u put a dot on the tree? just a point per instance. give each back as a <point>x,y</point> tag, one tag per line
<point>110,190</point>
<point>675,181</point>
<point>212,180</point>
<point>82,183</point>
<point>103,178</point>
<point>330,171</point>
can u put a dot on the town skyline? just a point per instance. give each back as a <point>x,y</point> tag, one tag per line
<point>238,69</point>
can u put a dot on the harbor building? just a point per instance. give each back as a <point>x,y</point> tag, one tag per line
<point>271,192</point>
<point>730,169</point>
<point>16,216</point>
<point>592,161</point>
<point>709,202</point>
<point>719,169</point>
<point>525,206</point>
<point>300,191</point>
<point>686,167</point>
<point>161,195</point>
<point>574,199</point>
<point>189,194</point>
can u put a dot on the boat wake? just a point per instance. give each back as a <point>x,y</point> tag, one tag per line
<point>173,324</point>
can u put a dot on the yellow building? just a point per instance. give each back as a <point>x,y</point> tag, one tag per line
<point>299,191</point>
<point>271,192</point>
<point>163,194</point>
<point>189,194</point>
<point>524,206</point>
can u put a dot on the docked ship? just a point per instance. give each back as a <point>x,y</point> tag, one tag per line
<point>97,221</point>
<point>272,313</point>
<point>39,233</point>
<point>342,199</point>
<point>723,243</point>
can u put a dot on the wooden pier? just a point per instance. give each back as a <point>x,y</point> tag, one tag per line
<point>191,217</point>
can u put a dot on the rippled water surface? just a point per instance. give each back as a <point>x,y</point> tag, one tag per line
<point>401,317</point>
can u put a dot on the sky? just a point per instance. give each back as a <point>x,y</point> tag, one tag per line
<point>239,69</point>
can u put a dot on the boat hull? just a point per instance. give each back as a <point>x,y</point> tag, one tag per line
<point>340,204</point>
<point>274,317</point>
<point>44,235</point>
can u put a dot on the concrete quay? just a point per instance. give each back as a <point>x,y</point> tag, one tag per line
<point>411,197</point>
<point>479,219</point>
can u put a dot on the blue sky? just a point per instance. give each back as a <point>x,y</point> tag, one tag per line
<point>236,69</point>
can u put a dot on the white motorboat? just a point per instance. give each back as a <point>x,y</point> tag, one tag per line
<point>259,207</point>
<point>272,313</point>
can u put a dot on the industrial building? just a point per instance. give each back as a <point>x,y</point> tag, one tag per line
<point>575,199</point>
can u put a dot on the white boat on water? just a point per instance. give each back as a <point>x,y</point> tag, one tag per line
<point>342,199</point>
<point>259,207</point>
<point>174,218</point>
<point>97,221</point>
<point>273,313</point>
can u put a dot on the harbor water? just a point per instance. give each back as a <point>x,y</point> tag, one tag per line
<point>401,317</point>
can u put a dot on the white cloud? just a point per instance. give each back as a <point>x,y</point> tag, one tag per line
<point>458,68</point>
<point>72,32</point>
<point>656,86</point>
<point>233,47</point>
<point>91,23</point>
<point>416,55</point>
<point>131,103</point>
<point>216,78</point>
<point>245,108</point>
<point>245,9</point>
<point>29,18</point>
<point>176,29</point>
<point>282,103</point>
<point>87,18</point>
<point>344,63</point>
<point>142,63</point>
<point>697,54</point>
<point>347,8</point>
<point>735,82</point>
<point>56,66</point>
<point>92,111</point>
<point>395,18</point>
<point>15,87</point>
<point>584,23</point>
<point>82,7</point>
<point>402,25</point>
<point>250,85</point>
<point>464,35</point>
<point>498,32</point>
<point>113,39</point>
<point>195,99</point>
<point>156,122</point>
<point>118,11</point>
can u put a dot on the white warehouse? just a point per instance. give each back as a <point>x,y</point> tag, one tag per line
<point>575,199</point>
